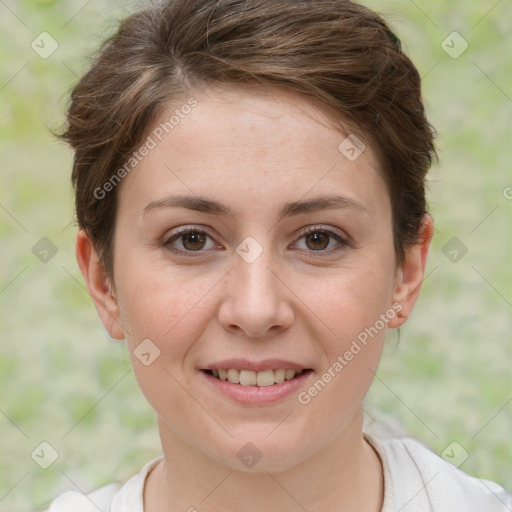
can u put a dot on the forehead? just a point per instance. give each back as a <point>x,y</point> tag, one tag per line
<point>237,141</point>
<point>248,120</point>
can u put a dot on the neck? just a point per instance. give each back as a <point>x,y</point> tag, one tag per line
<point>345,475</point>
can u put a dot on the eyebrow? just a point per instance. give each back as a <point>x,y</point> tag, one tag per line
<point>289,209</point>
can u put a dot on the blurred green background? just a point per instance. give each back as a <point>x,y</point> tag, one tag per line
<point>64,382</point>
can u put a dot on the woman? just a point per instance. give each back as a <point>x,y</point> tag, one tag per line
<point>249,183</point>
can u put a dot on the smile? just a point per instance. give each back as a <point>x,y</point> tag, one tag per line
<point>263,378</point>
<point>251,387</point>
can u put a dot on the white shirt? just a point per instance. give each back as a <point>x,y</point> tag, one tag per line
<point>415,480</point>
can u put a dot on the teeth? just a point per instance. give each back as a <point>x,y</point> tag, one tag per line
<point>248,378</point>
<point>265,378</point>
<point>279,375</point>
<point>289,374</point>
<point>234,376</point>
<point>251,378</point>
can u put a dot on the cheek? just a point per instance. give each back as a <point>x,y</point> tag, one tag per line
<point>167,309</point>
<point>164,318</point>
<point>352,298</point>
<point>173,308</point>
<point>355,308</point>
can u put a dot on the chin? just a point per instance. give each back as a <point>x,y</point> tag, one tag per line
<point>259,454</point>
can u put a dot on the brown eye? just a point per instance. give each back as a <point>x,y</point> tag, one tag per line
<point>188,241</point>
<point>193,241</point>
<point>317,240</point>
<point>323,241</point>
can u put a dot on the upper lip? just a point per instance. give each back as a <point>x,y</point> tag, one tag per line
<point>256,366</point>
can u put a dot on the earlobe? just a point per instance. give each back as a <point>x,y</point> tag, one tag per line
<point>409,278</point>
<point>99,286</point>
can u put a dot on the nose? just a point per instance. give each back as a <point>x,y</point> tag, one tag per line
<point>255,299</point>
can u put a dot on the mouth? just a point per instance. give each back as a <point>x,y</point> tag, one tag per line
<point>265,378</point>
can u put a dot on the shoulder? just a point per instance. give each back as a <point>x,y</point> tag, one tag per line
<point>100,499</point>
<point>422,480</point>
<point>126,498</point>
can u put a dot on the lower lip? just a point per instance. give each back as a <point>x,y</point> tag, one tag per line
<point>256,394</point>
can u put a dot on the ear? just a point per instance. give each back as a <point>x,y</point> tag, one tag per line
<point>99,286</point>
<point>410,275</point>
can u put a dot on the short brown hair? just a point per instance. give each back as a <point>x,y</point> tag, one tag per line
<point>335,52</point>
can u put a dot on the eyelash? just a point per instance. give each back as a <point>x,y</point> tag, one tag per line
<point>343,242</point>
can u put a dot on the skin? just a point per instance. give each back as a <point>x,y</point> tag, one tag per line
<point>253,152</point>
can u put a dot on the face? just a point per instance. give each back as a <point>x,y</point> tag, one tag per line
<point>263,273</point>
